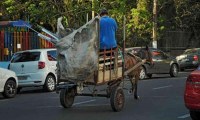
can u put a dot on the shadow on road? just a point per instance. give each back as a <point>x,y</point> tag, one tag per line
<point>33,90</point>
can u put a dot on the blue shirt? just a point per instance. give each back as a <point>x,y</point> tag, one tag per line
<point>108,27</point>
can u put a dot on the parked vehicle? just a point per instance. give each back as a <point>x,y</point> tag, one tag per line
<point>190,58</point>
<point>162,63</point>
<point>35,68</point>
<point>192,94</point>
<point>8,83</point>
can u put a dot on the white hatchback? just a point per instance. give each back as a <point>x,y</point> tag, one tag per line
<point>8,83</point>
<point>35,68</point>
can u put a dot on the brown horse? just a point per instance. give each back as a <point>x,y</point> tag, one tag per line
<point>131,60</point>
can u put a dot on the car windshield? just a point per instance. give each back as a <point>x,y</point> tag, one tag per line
<point>190,51</point>
<point>25,57</point>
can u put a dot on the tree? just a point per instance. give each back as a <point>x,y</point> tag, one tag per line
<point>188,17</point>
<point>138,14</point>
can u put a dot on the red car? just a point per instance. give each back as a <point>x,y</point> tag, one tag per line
<point>192,94</point>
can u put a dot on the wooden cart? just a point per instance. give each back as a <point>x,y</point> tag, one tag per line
<point>109,72</point>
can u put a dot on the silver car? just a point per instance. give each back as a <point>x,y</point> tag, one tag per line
<point>161,63</point>
<point>35,68</point>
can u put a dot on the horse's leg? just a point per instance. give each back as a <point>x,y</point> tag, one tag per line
<point>136,85</point>
<point>132,84</point>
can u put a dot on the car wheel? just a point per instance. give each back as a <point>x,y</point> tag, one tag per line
<point>10,89</point>
<point>173,70</point>
<point>50,83</point>
<point>195,115</point>
<point>142,73</point>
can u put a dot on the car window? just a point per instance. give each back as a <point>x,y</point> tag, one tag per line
<point>25,57</point>
<point>52,55</point>
<point>158,55</point>
<point>198,51</point>
<point>190,51</point>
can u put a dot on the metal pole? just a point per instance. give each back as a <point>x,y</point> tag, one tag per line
<point>87,18</point>
<point>154,24</point>
<point>124,43</point>
<point>92,8</point>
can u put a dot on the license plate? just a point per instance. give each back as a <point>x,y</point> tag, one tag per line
<point>22,77</point>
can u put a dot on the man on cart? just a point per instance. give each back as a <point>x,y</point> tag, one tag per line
<point>108,28</point>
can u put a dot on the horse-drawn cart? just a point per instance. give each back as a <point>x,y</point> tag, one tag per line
<point>81,65</point>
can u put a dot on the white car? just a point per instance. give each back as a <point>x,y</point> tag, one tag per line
<point>35,68</point>
<point>8,83</point>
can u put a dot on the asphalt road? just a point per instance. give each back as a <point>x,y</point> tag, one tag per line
<point>161,98</point>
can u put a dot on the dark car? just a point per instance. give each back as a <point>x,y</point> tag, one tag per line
<point>162,63</point>
<point>192,94</point>
<point>189,59</point>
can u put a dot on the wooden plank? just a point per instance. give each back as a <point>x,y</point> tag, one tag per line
<point>2,45</point>
<point>11,41</point>
<point>6,44</point>
<point>17,33</point>
<point>27,40</point>
<point>15,42</point>
<point>30,40</point>
<point>21,40</point>
<point>9,45</point>
<point>134,67</point>
<point>108,58</point>
<point>115,74</point>
<point>108,63</point>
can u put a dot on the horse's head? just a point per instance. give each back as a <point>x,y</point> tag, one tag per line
<point>148,55</point>
<point>143,53</point>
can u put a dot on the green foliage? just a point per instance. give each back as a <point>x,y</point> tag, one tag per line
<point>172,14</point>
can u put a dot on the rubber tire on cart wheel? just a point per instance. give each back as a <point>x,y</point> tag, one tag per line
<point>67,97</point>
<point>195,115</point>
<point>10,89</point>
<point>117,99</point>
<point>142,73</point>
<point>50,83</point>
<point>173,70</point>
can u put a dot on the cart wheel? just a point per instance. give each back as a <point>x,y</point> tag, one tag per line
<point>67,97</point>
<point>117,99</point>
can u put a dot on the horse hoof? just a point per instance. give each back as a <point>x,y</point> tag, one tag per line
<point>137,97</point>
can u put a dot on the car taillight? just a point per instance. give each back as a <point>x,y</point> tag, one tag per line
<point>41,65</point>
<point>194,79</point>
<point>195,58</point>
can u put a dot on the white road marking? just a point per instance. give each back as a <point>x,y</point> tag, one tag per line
<point>84,102</point>
<point>184,116</point>
<point>4,100</point>
<point>79,103</point>
<point>162,87</point>
<point>95,105</point>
